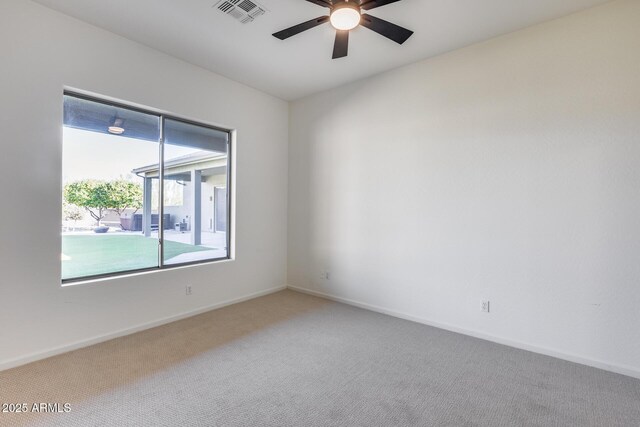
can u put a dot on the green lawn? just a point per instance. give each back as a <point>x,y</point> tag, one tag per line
<point>92,255</point>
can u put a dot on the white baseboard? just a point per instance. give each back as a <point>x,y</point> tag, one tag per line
<point>618,369</point>
<point>12,363</point>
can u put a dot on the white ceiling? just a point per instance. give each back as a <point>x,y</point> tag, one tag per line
<point>196,32</point>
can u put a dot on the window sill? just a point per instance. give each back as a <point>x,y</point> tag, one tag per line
<point>70,283</point>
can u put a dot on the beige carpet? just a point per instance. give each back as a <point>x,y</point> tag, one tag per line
<point>290,359</point>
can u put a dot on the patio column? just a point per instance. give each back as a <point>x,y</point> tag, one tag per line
<point>196,207</point>
<point>146,207</point>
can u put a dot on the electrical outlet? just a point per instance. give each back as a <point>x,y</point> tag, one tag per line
<point>187,290</point>
<point>324,275</point>
<point>486,306</point>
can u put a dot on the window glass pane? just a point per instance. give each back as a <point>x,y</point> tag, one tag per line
<point>195,193</point>
<point>110,210</point>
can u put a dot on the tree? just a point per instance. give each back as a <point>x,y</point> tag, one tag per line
<point>90,194</point>
<point>98,197</point>
<point>124,195</point>
<point>71,212</point>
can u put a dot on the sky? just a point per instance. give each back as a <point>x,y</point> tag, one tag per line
<point>92,155</point>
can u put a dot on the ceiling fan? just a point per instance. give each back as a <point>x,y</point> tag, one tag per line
<point>345,15</point>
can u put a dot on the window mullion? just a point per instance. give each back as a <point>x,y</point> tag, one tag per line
<point>161,197</point>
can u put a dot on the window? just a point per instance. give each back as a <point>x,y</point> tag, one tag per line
<point>142,191</point>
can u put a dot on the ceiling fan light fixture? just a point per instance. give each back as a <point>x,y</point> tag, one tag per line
<point>346,16</point>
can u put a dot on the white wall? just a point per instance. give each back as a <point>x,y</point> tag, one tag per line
<point>508,170</point>
<point>42,52</point>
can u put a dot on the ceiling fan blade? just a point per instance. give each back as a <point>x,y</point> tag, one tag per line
<point>341,45</point>
<point>323,3</point>
<point>297,29</point>
<point>387,29</point>
<point>372,4</point>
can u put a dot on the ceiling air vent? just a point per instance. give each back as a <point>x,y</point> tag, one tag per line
<point>244,11</point>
